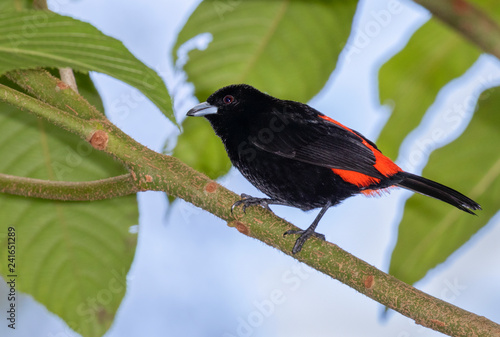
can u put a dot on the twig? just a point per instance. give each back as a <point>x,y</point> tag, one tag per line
<point>469,20</point>
<point>40,4</point>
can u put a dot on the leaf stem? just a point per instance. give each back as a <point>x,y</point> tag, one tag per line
<point>68,77</point>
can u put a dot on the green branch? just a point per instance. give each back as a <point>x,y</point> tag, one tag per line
<point>469,20</point>
<point>68,191</point>
<point>153,171</point>
<point>46,87</point>
<point>52,114</point>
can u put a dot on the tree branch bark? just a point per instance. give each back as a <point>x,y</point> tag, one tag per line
<point>153,171</point>
<point>469,20</point>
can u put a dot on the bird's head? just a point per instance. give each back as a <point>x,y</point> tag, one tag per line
<point>237,103</point>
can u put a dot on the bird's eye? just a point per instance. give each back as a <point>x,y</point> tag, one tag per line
<point>228,99</point>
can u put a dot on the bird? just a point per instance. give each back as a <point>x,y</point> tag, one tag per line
<point>299,157</point>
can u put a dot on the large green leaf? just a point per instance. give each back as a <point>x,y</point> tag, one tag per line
<point>70,256</point>
<point>435,55</point>
<point>286,48</point>
<point>198,148</point>
<point>30,39</point>
<point>430,230</point>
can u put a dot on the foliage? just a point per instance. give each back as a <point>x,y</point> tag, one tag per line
<point>66,259</point>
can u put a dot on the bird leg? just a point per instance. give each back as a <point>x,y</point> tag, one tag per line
<point>248,200</point>
<point>310,231</point>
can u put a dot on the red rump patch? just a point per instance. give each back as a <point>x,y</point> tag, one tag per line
<point>382,164</point>
<point>356,178</point>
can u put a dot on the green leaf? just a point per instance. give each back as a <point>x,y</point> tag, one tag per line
<point>285,48</point>
<point>31,39</point>
<point>430,230</point>
<point>434,56</point>
<point>70,256</point>
<point>8,5</point>
<point>199,148</point>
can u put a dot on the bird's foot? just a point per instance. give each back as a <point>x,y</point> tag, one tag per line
<point>304,236</point>
<point>248,200</point>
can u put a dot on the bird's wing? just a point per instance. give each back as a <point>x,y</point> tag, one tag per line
<point>320,141</point>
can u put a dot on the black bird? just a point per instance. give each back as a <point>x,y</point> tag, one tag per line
<point>299,157</point>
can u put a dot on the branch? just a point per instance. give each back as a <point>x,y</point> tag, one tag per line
<point>153,171</point>
<point>40,4</point>
<point>469,20</point>
<point>41,84</point>
<point>68,191</point>
<point>53,115</point>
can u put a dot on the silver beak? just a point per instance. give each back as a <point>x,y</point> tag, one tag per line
<point>202,109</point>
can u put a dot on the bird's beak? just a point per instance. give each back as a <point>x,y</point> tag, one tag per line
<point>202,109</point>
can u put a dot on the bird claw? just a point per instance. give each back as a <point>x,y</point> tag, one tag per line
<point>304,236</point>
<point>248,200</point>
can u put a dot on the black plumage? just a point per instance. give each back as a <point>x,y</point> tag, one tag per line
<point>302,158</point>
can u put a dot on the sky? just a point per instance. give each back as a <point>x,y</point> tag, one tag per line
<point>194,276</point>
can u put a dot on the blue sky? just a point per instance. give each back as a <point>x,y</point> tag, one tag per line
<point>194,276</point>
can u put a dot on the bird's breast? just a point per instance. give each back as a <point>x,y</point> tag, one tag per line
<point>302,185</point>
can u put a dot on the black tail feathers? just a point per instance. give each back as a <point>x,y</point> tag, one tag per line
<point>438,191</point>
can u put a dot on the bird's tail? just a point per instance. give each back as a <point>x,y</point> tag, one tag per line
<point>438,191</point>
